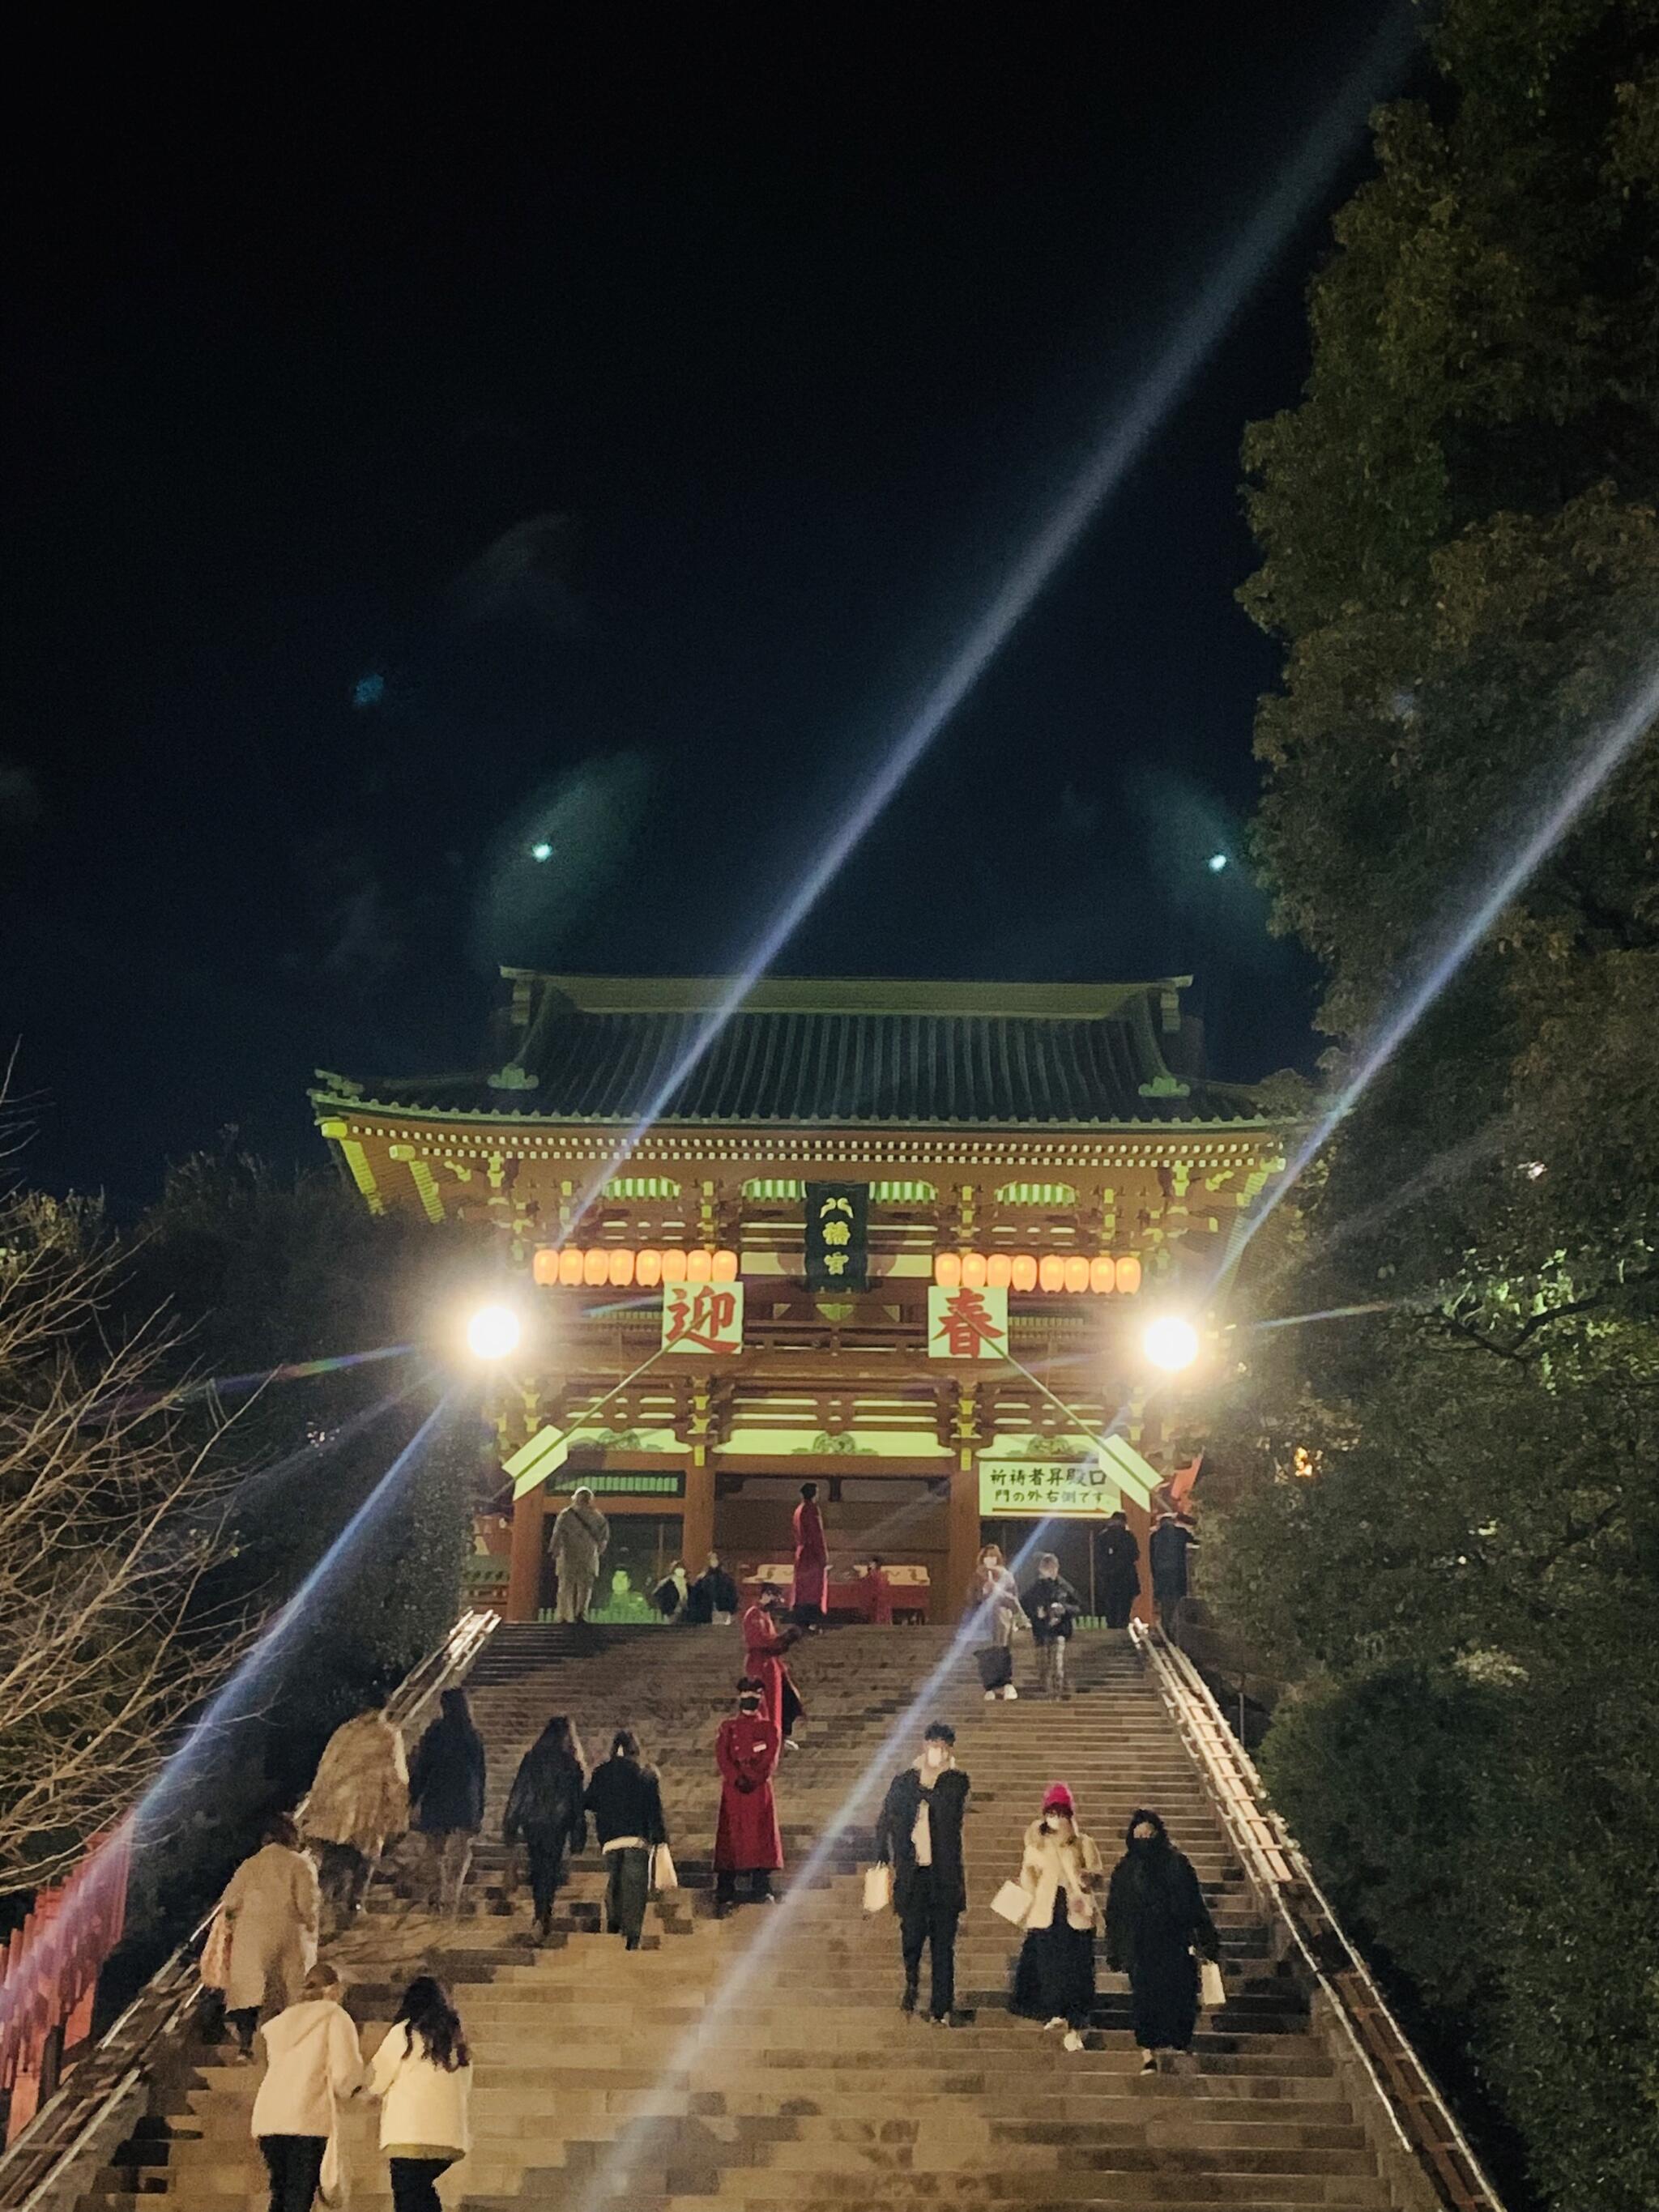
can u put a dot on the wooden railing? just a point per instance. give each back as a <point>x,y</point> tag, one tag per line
<point>49,1974</point>
<point>1423,2130</point>
<point>67,2116</point>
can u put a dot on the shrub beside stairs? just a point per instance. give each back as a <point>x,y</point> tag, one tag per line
<point>762,2060</point>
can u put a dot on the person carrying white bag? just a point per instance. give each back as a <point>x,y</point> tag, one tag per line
<point>315,2066</point>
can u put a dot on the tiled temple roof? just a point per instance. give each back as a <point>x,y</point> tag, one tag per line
<point>617,1051</point>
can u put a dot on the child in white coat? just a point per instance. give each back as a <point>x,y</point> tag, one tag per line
<point>423,2075</point>
<point>314,2065</point>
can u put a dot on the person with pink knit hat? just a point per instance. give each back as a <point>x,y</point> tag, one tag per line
<point>1059,1871</point>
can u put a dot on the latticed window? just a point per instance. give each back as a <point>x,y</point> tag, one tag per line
<point>623,1187</point>
<point>903,1194</point>
<point>1036,1194</point>
<point>775,1192</point>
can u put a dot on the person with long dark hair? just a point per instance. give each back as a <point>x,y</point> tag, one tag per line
<point>446,1791</point>
<point>545,1812</point>
<point>423,2076</point>
<point>625,1799</point>
<point>1155,1920</point>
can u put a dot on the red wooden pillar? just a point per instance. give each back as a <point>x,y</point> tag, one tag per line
<point>1140,1523</point>
<point>961,1543</point>
<point>697,1521</point>
<point>524,1578</point>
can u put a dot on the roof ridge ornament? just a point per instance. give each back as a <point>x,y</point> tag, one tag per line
<point>514,1077</point>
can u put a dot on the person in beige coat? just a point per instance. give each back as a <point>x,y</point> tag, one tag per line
<point>359,1802</point>
<point>313,2065</point>
<point>270,1910</point>
<point>1060,1870</point>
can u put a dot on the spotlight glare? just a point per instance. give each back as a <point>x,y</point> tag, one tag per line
<point>1218,861</point>
<point>1170,1343</point>
<point>493,1333</point>
<point>541,850</point>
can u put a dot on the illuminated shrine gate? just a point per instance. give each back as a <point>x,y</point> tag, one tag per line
<point>844,1156</point>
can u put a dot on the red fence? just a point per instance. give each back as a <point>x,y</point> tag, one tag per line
<point>49,1974</point>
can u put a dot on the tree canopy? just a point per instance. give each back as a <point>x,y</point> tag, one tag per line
<point>1445,1525</point>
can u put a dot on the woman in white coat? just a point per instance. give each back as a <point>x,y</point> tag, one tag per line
<point>314,2065</point>
<point>423,2075</point>
<point>1059,1871</point>
<point>270,1911</point>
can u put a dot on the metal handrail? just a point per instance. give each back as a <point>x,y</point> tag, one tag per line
<point>113,2066</point>
<point>1423,2122</point>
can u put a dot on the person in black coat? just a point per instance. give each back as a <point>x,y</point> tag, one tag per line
<point>447,1798</point>
<point>546,1813</point>
<point>625,1799</point>
<point>1166,1553</point>
<point>1117,1568</point>
<point>713,1595</point>
<point>1052,1607</point>
<point>1156,1919</point>
<point>919,1835</point>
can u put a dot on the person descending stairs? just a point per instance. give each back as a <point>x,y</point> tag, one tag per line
<point>744,2064</point>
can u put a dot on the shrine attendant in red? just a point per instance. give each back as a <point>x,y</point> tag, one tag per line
<point>764,1643</point>
<point>747,1840</point>
<point>811,1559</point>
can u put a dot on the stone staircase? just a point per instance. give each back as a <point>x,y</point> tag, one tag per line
<point>763,2060</point>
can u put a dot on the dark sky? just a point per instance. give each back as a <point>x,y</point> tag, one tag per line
<point>420,450</point>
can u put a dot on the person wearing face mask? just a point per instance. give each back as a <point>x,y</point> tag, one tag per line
<point>766,1640</point>
<point>1156,1919</point>
<point>747,1841</point>
<point>919,1835</point>
<point>1060,1870</point>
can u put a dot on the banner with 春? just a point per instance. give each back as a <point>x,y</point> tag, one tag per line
<point>964,1324</point>
<point>702,1317</point>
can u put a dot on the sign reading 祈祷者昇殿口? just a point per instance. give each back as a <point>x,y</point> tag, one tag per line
<point>1068,1490</point>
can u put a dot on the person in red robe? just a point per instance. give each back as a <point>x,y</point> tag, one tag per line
<point>747,1841</point>
<point>811,1559</point>
<point>765,1641</point>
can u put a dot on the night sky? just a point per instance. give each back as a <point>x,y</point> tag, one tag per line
<point>421,452</point>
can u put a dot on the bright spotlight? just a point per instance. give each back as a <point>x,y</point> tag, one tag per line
<point>541,850</point>
<point>493,1331</point>
<point>1218,861</point>
<point>1170,1343</point>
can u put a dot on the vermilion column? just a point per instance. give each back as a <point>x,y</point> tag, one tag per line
<point>697,1523</point>
<point>961,1543</point>
<point>523,1580</point>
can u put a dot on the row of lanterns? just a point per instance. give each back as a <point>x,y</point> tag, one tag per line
<point>1023,1271</point>
<point>621,1268</point>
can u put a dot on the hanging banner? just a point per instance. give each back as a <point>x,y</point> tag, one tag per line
<point>702,1317</point>
<point>837,1236</point>
<point>1066,1489</point>
<point>964,1324</point>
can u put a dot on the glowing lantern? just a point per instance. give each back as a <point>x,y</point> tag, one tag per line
<point>999,1271</point>
<point>647,1269</point>
<point>570,1264</point>
<point>622,1270</point>
<point>699,1265</point>
<point>544,1267</point>
<point>596,1266</point>
<point>1102,1275</point>
<point>1023,1274</point>
<point>1077,1272</point>
<point>674,1267</point>
<point>947,1270</point>
<point>725,1267</point>
<point>1128,1274</point>
<point>1051,1274</point>
<point>973,1271</point>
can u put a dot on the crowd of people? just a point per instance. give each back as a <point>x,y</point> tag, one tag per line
<point>262,1953</point>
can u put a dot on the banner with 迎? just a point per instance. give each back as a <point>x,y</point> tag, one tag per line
<point>967,1324</point>
<point>837,1236</point>
<point>702,1317</point>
